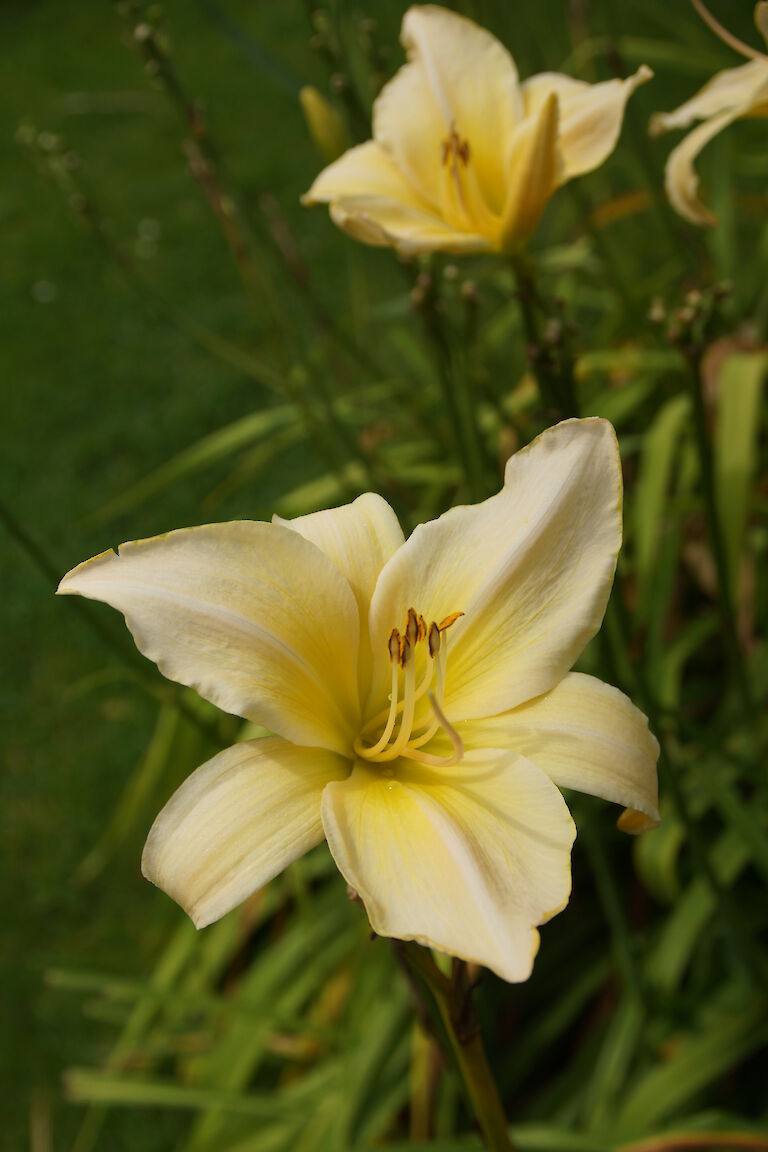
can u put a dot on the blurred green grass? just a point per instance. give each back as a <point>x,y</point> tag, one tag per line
<point>101,391</point>
<point>97,392</point>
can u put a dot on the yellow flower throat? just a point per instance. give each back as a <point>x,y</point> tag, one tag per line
<point>409,736</point>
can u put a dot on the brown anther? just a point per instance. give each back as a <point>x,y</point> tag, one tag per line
<point>448,620</point>
<point>454,149</point>
<point>394,644</point>
<point>412,627</point>
<point>434,640</point>
<point>406,651</point>
<point>422,628</point>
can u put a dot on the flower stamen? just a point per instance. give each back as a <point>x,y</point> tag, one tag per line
<point>439,761</point>
<point>455,154</point>
<point>402,649</point>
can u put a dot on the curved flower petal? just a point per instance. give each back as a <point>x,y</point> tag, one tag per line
<point>385,223</point>
<point>438,90</point>
<point>734,88</point>
<point>236,822</point>
<point>533,165</point>
<point>358,538</point>
<point>409,128</point>
<point>531,568</point>
<point>365,171</point>
<point>253,617</point>
<point>468,862</point>
<point>372,201</point>
<point>585,735</point>
<point>680,178</point>
<point>590,116</point>
<point>761,18</point>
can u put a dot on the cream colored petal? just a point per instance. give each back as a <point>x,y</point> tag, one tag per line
<point>531,568</point>
<point>253,617</point>
<point>726,91</point>
<point>385,223</point>
<point>238,821</point>
<point>458,77</point>
<point>358,538</point>
<point>585,735</point>
<point>467,862</point>
<point>761,19</point>
<point>591,116</point>
<point>680,178</point>
<point>364,171</point>
<point>410,128</point>
<point>533,173</point>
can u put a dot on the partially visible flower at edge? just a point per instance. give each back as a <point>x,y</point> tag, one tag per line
<point>464,157</point>
<point>734,94</point>
<point>420,695</point>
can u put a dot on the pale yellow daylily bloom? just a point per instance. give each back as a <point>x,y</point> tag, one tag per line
<point>464,157</point>
<point>734,94</point>
<point>419,693</point>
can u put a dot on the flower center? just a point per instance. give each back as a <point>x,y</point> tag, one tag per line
<point>407,727</point>
<point>454,151</point>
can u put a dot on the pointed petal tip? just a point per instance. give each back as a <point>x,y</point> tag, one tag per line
<point>634,822</point>
<point>68,584</point>
<point>657,125</point>
<point>152,872</point>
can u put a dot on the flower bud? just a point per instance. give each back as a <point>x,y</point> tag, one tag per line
<point>325,125</point>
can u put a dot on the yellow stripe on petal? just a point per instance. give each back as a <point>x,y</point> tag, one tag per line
<point>532,174</point>
<point>468,862</point>
<point>236,822</point>
<point>474,86</point>
<point>587,736</point>
<point>253,617</point>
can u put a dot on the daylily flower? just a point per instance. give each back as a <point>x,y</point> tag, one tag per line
<point>419,692</point>
<point>464,157</point>
<point>734,94</point>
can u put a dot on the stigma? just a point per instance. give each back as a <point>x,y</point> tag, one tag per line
<point>407,725</point>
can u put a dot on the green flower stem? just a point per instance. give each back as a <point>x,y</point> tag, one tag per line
<point>457,399</point>
<point>454,1002</point>
<point>724,591</point>
<point>551,362</point>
